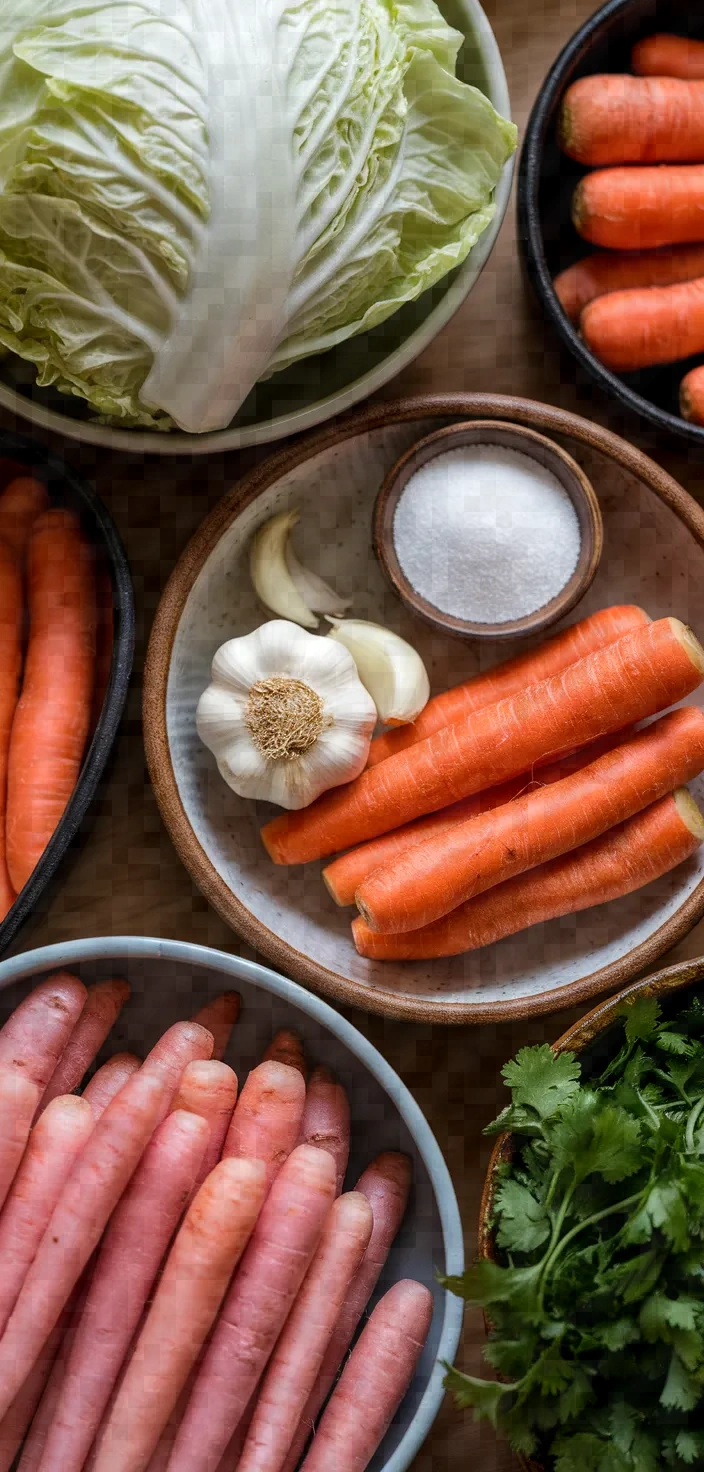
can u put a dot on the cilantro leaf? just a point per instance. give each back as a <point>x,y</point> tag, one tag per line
<point>689,1446</point>
<point>523,1221</point>
<point>542,1080</point>
<point>482,1396</point>
<point>681,1390</point>
<point>593,1137</point>
<point>486,1284</point>
<point>642,1017</point>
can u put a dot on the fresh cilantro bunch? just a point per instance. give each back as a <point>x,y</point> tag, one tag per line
<point>596,1306</point>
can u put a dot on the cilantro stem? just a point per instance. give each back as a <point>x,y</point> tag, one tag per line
<point>691,1125</point>
<point>554,1252</point>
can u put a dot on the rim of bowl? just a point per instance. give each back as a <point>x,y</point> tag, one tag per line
<point>143,442</point>
<point>527,442</point>
<point>150,948</point>
<point>531,239</point>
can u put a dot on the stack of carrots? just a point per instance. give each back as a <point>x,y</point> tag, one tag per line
<point>48,621</point>
<point>182,1274</point>
<point>524,794</point>
<point>640,301</point>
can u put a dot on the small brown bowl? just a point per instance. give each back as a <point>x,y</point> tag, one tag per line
<point>591,1031</point>
<point>509,437</point>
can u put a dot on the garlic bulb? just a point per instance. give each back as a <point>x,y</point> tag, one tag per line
<point>282,582</point>
<point>286,715</point>
<point>389,668</point>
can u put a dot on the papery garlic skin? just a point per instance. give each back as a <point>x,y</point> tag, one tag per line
<point>281,581</point>
<point>389,668</point>
<point>281,652</point>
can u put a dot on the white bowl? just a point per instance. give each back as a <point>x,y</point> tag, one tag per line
<point>317,388</point>
<point>170,980</point>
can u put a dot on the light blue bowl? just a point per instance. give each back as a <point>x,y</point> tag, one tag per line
<point>170,980</point>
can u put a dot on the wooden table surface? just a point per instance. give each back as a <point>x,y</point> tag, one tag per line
<point>126,879</point>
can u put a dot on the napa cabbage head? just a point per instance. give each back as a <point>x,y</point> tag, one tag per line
<point>195,194</point>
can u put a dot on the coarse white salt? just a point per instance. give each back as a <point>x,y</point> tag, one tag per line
<point>486,534</point>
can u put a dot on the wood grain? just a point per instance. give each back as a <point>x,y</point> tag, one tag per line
<point>127,877</point>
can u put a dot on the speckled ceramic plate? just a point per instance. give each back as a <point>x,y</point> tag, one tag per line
<point>653,555</point>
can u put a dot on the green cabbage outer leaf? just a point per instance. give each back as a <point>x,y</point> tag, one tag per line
<point>196,193</point>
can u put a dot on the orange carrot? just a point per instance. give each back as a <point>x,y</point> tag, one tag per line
<point>621,861</point>
<point>438,875</point>
<point>53,713</point>
<point>668,56</point>
<point>220,1016</point>
<point>629,330</point>
<point>104,1003</point>
<point>640,208</point>
<point>209,1088</point>
<point>605,271</point>
<point>374,1381</point>
<point>267,1119</point>
<point>87,1201</point>
<point>510,677</point>
<point>286,1047</point>
<point>21,503</point>
<point>256,1308</point>
<point>326,1120</point>
<point>612,119</point>
<point>11,606</point>
<point>127,1264</point>
<point>646,671</point>
<point>37,1032</point>
<point>386,1184</point>
<point>692,396</point>
<point>108,1081</point>
<point>344,876</point>
<point>299,1353</point>
<point>54,1144</point>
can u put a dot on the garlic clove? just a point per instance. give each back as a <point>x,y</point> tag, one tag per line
<point>270,573</point>
<point>315,592</point>
<point>389,668</point>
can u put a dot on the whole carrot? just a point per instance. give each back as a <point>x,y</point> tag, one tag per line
<point>438,875</point>
<point>256,1308</point>
<point>286,1047</point>
<point>644,672</point>
<point>199,1267</point>
<point>90,1195</point>
<point>128,1261</point>
<point>345,874</point>
<point>612,119</point>
<point>326,1120</point>
<point>53,713</point>
<point>604,271</point>
<point>37,1032</point>
<point>663,55</point>
<point>11,606</point>
<point>103,1005</point>
<point>640,208</point>
<point>386,1184</point>
<point>623,860</point>
<point>209,1089</point>
<point>21,504</point>
<point>299,1353</point>
<point>511,676</point>
<point>267,1118</point>
<point>629,330</point>
<point>108,1081</point>
<point>52,1149</point>
<point>692,396</point>
<point>374,1381</point>
<point>219,1017</point>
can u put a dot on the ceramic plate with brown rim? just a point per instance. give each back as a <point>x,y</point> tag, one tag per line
<point>653,555</point>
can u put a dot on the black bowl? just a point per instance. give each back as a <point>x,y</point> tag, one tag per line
<point>65,488</point>
<point>546,183</point>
